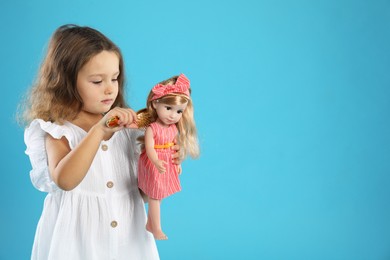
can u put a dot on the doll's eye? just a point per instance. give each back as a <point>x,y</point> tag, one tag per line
<point>168,108</point>
<point>179,111</point>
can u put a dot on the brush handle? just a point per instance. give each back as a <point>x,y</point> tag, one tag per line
<point>112,122</point>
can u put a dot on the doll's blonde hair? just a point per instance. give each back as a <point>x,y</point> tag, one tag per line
<point>187,138</point>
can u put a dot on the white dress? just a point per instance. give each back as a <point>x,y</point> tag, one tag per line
<point>104,216</point>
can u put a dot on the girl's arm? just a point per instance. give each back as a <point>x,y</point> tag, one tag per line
<point>151,152</point>
<point>69,167</point>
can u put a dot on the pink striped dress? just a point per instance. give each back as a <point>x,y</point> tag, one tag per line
<point>154,184</point>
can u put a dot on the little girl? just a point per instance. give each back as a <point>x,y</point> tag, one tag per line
<point>169,107</point>
<point>93,209</point>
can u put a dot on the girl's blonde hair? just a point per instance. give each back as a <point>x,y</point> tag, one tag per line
<point>187,138</point>
<point>54,96</point>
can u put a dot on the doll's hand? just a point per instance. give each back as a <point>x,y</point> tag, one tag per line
<point>160,165</point>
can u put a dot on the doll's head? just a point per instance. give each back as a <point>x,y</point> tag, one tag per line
<point>176,91</point>
<point>169,109</point>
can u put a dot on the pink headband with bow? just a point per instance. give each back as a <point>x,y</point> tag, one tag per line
<point>182,86</point>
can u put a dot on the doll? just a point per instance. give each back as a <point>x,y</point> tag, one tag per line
<point>169,119</point>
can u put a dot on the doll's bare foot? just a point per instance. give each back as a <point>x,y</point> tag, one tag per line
<point>149,227</point>
<point>159,235</point>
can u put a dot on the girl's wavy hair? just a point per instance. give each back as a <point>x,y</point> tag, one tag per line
<point>187,138</point>
<point>54,96</point>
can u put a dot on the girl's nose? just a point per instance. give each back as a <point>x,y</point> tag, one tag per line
<point>108,90</point>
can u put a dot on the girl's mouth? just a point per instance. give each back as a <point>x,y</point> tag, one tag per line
<point>107,101</point>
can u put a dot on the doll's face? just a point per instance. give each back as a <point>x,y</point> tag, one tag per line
<point>169,114</point>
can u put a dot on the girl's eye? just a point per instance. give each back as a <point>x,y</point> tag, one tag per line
<point>97,81</point>
<point>114,80</point>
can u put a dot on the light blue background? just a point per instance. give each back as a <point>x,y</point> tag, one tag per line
<point>292,104</point>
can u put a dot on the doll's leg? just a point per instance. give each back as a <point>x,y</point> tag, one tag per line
<point>149,223</point>
<point>154,219</point>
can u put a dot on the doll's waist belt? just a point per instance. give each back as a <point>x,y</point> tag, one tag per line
<point>163,146</point>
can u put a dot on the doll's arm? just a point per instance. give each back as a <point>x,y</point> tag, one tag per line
<point>151,153</point>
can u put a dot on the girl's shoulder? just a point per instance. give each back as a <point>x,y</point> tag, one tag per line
<point>39,125</point>
<point>38,129</point>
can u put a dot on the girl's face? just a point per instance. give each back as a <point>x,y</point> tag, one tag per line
<point>97,82</point>
<point>169,114</point>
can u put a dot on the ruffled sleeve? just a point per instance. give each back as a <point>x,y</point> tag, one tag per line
<point>34,138</point>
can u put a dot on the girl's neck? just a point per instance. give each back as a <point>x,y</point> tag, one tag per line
<point>86,120</point>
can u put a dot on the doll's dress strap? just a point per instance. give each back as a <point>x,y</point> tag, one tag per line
<point>34,138</point>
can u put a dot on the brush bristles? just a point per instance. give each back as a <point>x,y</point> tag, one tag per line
<point>143,118</point>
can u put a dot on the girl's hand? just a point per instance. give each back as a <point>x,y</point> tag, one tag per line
<point>125,117</point>
<point>176,153</point>
<point>160,165</point>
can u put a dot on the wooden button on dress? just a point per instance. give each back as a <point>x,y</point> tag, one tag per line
<point>110,184</point>
<point>114,224</point>
<point>104,147</point>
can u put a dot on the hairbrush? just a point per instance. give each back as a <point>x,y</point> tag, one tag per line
<point>143,119</point>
